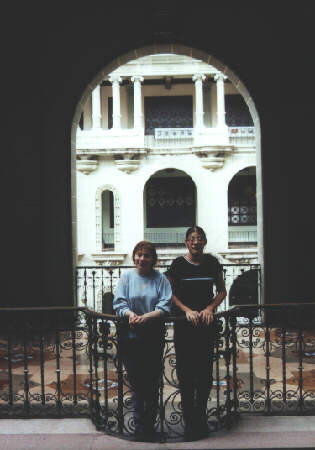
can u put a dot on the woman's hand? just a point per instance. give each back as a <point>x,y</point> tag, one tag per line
<point>140,320</point>
<point>206,316</point>
<point>193,317</point>
<point>132,318</point>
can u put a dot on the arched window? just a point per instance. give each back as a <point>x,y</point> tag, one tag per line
<point>108,220</point>
<point>242,209</point>
<point>170,207</point>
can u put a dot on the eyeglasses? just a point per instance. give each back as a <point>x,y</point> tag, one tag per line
<point>198,239</point>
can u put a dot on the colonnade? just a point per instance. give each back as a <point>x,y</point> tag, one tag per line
<point>197,78</point>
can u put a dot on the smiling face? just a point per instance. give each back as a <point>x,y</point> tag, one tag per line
<point>143,260</point>
<point>195,243</point>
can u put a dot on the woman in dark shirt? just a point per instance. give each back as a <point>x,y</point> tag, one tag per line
<point>192,278</point>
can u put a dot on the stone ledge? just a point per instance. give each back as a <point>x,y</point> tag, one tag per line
<point>241,256</point>
<point>109,258</point>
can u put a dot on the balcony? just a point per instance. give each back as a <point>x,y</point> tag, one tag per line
<point>65,362</point>
<point>97,141</point>
<point>242,136</point>
<point>242,235</point>
<point>92,281</point>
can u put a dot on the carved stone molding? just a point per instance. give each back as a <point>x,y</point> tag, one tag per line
<point>165,257</point>
<point>213,157</point>
<point>198,77</point>
<point>86,165</point>
<point>109,258</point>
<point>241,256</point>
<point>98,218</point>
<point>212,162</point>
<point>219,77</point>
<point>127,165</point>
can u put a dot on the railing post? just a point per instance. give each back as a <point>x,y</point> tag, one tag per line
<point>217,372</point>
<point>105,328</point>
<point>227,365</point>
<point>284,366</point>
<point>267,356</point>
<point>90,354</point>
<point>10,371</point>
<point>42,368</point>
<point>93,287</point>
<point>96,359</point>
<point>161,402</point>
<point>120,411</point>
<point>251,371</point>
<point>234,356</point>
<point>26,376</point>
<point>58,403</point>
<point>300,353</point>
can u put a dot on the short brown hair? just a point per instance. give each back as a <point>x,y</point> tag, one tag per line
<point>146,245</point>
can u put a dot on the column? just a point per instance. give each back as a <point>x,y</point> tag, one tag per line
<point>116,80</point>
<point>219,78</point>
<point>138,116</point>
<point>198,79</point>
<point>96,107</point>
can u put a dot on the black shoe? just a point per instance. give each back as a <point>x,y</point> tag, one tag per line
<point>189,434</point>
<point>138,434</point>
<point>202,433</point>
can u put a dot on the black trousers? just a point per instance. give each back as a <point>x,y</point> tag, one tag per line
<point>142,352</point>
<point>194,364</point>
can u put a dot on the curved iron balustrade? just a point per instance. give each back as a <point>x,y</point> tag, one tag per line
<point>65,362</point>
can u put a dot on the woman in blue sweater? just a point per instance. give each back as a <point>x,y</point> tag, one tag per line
<point>143,296</point>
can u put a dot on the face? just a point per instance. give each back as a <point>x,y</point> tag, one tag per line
<point>195,243</point>
<point>144,261</point>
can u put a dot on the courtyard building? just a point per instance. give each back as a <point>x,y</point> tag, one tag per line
<point>165,141</point>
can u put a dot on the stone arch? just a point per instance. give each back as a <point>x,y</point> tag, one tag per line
<point>242,167</point>
<point>240,197</point>
<point>207,58</point>
<point>164,166</point>
<point>98,216</point>
<point>178,49</point>
<point>169,222</point>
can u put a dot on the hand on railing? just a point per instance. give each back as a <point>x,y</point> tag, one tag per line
<point>206,316</point>
<point>193,317</point>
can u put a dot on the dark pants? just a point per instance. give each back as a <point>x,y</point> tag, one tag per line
<point>142,351</point>
<point>194,363</point>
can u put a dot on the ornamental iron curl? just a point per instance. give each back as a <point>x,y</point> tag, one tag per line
<point>65,362</point>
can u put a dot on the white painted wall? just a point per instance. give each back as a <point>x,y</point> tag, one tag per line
<point>211,186</point>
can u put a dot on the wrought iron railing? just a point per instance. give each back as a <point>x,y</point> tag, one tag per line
<point>66,362</point>
<point>95,281</point>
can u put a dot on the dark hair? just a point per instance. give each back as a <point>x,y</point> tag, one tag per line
<point>146,245</point>
<point>196,229</point>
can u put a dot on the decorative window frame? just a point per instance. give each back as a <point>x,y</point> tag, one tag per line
<point>98,217</point>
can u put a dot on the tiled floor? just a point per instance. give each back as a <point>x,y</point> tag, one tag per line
<point>251,426</point>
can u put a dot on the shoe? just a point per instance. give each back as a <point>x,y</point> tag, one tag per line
<point>189,434</point>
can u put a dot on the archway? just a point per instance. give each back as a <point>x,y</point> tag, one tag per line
<point>129,160</point>
<point>169,207</point>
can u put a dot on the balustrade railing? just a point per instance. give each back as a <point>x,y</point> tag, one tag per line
<point>95,281</point>
<point>66,362</point>
<point>242,135</point>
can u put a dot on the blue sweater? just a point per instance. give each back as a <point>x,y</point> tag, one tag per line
<point>142,293</point>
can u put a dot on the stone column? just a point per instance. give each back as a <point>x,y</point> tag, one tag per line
<point>96,107</point>
<point>138,116</point>
<point>116,80</point>
<point>198,79</point>
<point>219,78</point>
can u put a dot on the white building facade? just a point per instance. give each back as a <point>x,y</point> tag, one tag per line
<point>165,142</point>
